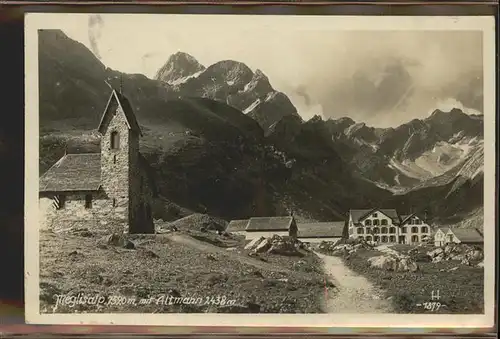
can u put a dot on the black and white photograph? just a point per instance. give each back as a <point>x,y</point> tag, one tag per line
<point>299,169</point>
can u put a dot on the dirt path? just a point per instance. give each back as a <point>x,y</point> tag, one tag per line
<point>352,293</point>
<point>205,247</point>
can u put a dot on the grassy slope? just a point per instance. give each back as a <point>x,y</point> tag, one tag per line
<point>74,264</point>
<point>461,290</point>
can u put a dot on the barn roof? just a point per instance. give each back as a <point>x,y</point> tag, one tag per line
<point>467,234</point>
<point>321,229</point>
<point>269,223</point>
<point>118,98</point>
<point>237,225</point>
<point>359,214</point>
<point>73,172</point>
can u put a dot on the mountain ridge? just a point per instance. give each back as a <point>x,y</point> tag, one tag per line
<point>265,163</point>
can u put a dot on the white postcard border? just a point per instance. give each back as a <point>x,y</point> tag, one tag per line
<point>35,21</point>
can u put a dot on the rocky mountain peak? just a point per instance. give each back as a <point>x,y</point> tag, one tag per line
<point>179,65</point>
<point>230,71</point>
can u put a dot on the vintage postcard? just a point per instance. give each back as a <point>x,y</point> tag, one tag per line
<point>309,171</point>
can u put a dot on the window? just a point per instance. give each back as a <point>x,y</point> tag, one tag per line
<point>376,222</point>
<point>392,238</point>
<point>368,229</point>
<point>418,222</point>
<point>361,231</point>
<point>376,230</point>
<point>410,222</point>
<point>414,230</point>
<point>59,201</point>
<point>403,230</point>
<point>88,201</point>
<point>384,230</point>
<point>450,238</point>
<point>414,238</point>
<point>115,140</point>
<point>384,238</point>
<point>374,215</point>
<point>376,238</point>
<point>384,222</point>
<point>424,229</point>
<point>368,238</point>
<point>392,230</point>
<point>368,222</point>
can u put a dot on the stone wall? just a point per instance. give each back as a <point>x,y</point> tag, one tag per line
<point>102,216</point>
<point>141,196</point>
<point>115,166</point>
<point>265,234</point>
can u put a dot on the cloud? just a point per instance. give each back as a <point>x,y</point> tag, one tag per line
<point>383,78</point>
<point>95,27</point>
<point>388,78</point>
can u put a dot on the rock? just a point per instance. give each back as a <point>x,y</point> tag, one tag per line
<point>438,258</point>
<point>211,257</point>
<point>474,255</point>
<point>391,263</point>
<point>150,254</point>
<point>253,243</point>
<point>119,240</point>
<point>129,245</point>
<point>457,257</point>
<point>481,264</point>
<point>263,246</point>
<point>465,261</point>
<point>282,246</point>
<point>435,253</point>
<point>407,265</point>
<point>383,262</point>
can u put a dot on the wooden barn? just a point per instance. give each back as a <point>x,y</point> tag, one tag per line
<point>322,231</point>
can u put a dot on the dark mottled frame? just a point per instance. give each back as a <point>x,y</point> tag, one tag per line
<point>12,184</point>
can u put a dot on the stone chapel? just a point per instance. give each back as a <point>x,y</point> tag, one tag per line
<point>112,190</point>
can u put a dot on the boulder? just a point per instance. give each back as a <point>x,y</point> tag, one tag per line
<point>438,258</point>
<point>119,240</point>
<point>383,262</point>
<point>263,246</point>
<point>391,263</point>
<point>280,245</point>
<point>253,243</point>
<point>435,253</point>
<point>474,255</point>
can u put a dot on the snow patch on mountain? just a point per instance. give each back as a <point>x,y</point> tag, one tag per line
<point>252,106</point>
<point>182,80</point>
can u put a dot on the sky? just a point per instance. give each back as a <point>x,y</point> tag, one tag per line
<point>383,77</point>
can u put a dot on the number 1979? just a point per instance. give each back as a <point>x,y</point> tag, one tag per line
<point>432,305</point>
